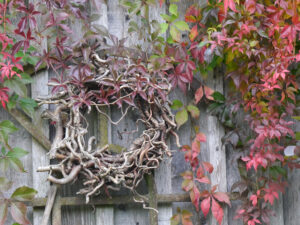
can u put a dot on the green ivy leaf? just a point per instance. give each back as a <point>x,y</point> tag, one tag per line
<point>12,101</point>
<point>297,136</point>
<point>194,111</point>
<point>163,27</point>
<point>177,104</point>
<point>6,128</point>
<point>28,105</point>
<point>17,153</point>
<point>24,194</point>
<point>175,33</point>
<point>218,96</point>
<point>181,25</point>
<point>173,9</point>
<point>17,86</point>
<point>168,18</point>
<point>181,117</point>
<point>5,184</point>
<point>16,164</point>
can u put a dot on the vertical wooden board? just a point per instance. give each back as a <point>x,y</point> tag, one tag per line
<point>81,215</point>
<point>21,139</point>
<point>103,215</point>
<point>217,153</point>
<point>131,215</point>
<point>291,199</point>
<point>39,156</point>
<point>163,175</point>
<point>121,133</point>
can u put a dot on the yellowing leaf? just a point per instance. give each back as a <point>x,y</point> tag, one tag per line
<point>181,25</point>
<point>181,117</point>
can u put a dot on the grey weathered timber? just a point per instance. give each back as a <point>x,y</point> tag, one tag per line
<point>163,175</point>
<point>22,139</point>
<point>217,154</point>
<point>39,156</point>
<point>116,200</point>
<point>104,215</point>
<point>122,209</point>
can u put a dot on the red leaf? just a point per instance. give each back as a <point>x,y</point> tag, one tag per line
<point>208,167</point>
<point>208,93</point>
<point>204,180</point>
<point>18,212</point>
<point>193,33</point>
<point>253,198</point>
<point>229,4</point>
<point>205,206</point>
<point>195,197</point>
<point>3,211</point>
<point>222,197</point>
<point>199,94</point>
<point>201,137</point>
<point>217,211</point>
<point>161,2</point>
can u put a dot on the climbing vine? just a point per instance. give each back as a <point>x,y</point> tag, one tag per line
<point>255,41</point>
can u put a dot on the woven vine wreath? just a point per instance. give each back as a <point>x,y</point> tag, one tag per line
<point>116,82</point>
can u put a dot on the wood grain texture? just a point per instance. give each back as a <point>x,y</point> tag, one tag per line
<point>22,139</point>
<point>216,149</point>
<point>163,175</point>
<point>38,152</point>
<point>103,215</point>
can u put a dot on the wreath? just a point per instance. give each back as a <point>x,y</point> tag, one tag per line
<point>117,81</point>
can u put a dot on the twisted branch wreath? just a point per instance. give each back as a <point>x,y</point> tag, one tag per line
<point>117,81</point>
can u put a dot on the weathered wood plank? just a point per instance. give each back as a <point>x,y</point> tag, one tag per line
<point>39,157</point>
<point>116,200</point>
<point>103,215</point>
<point>216,149</point>
<point>22,139</point>
<point>35,132</point>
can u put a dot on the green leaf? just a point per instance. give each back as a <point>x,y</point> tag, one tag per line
<point>202,43</point>
<point>297,136</point>
<point>17,153</point>
<point>195,112</point>
<point>28,105</point>
<point>175,33</point>
<point>262,33</point>
<point>181,25</point>
<point>7,127</point>
<point>16,164</point>
<point>5,184</point>
<point>181,117</point>
<point>296,117</point>
<point>173,9</point>
<point>12,101</point>
<point>24,194</point>
<point>168,18</point>
<point>26,78</point>
<point>218,96</point>
<point>253,43</point>
<point>17,86</point>
<point>177,104</point>
<point>163,27</point>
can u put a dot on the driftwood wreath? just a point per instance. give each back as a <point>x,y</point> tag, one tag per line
<point>116,81</point>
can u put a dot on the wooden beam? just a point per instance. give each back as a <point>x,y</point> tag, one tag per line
<point>153,215</point>
<point>118,200</point>
<point>34,130</point>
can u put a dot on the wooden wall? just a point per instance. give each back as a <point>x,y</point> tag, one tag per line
<point>167,176</point>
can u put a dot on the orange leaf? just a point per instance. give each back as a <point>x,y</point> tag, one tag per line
<point>193,33</point>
